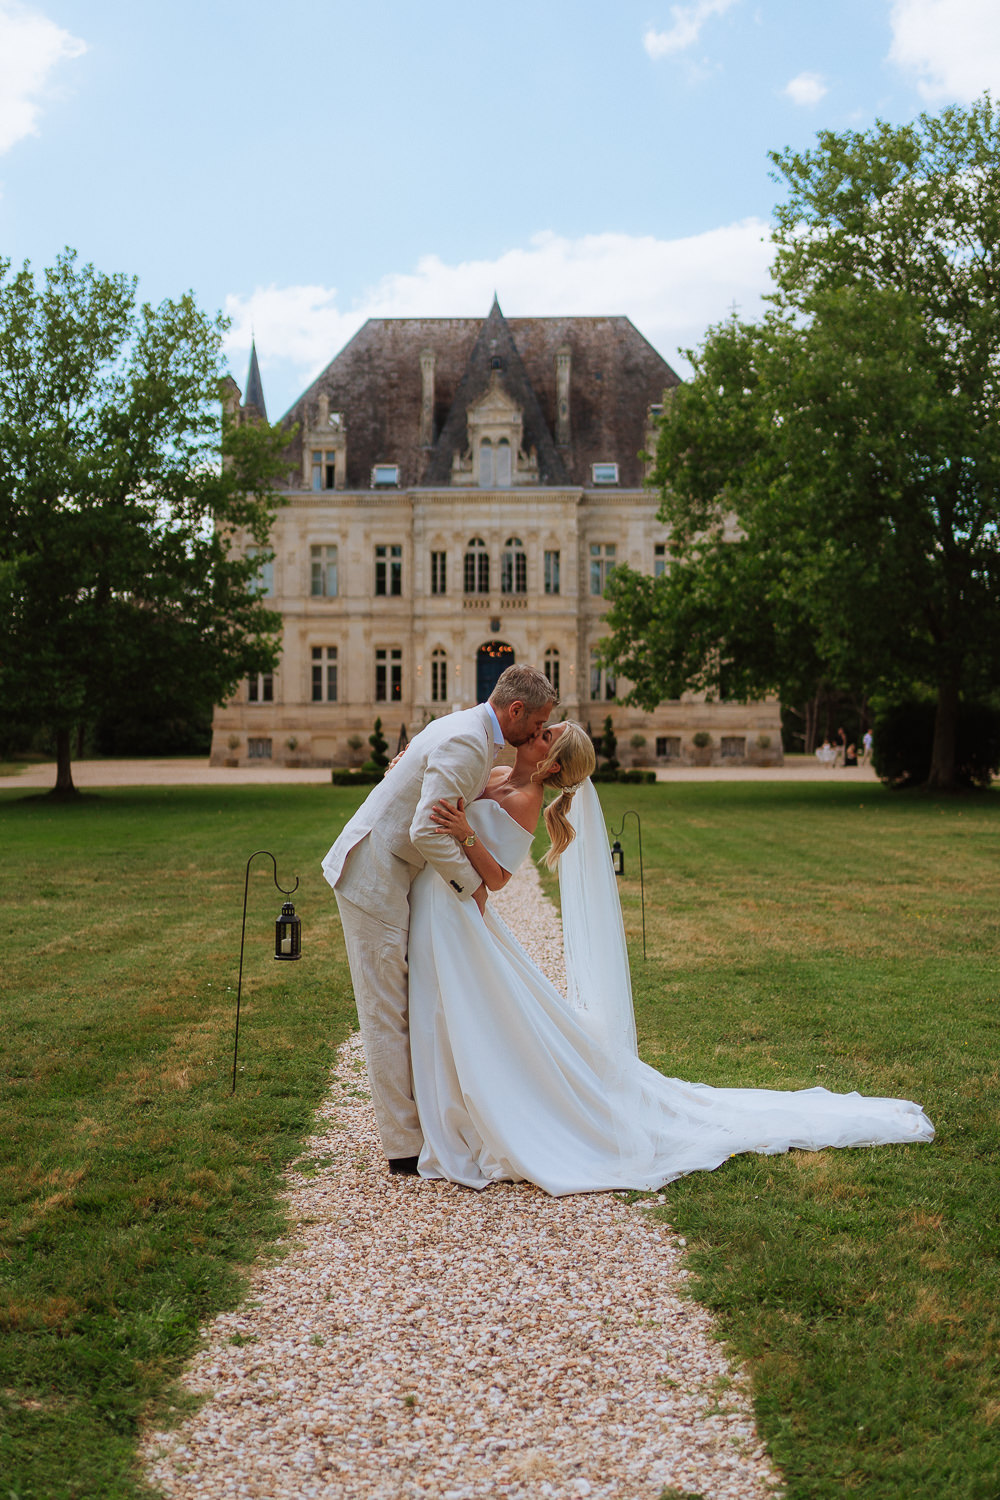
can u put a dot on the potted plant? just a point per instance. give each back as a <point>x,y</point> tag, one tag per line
<point>291,745</point>
<point>234,744</point>
<point>702,752</point>
<point>638,743</point>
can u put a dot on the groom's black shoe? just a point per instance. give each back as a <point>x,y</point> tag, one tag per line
<point>404,1166</point>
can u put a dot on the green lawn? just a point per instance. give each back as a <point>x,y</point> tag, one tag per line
<point>797,935</point>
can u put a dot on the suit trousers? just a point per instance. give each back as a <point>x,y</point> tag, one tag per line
<point>376,952</point>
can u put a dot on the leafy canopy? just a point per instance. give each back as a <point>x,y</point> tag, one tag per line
<point>122,490</point>
<point>831,474</point>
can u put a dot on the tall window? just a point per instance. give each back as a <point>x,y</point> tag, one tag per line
<point>551,666</point>
<point>602,684</point>
<point>389,570</point>
<point>324,674</point>
<point>439,676</point>
<point>264,582</point>
<point>495,466</point>
<point>602,560</point>
<point>439,572</point>
<point>323,561</point>
<point>477,567</point>
<point>388,674</point>
<point>260,688</point>
<point>324,469</point>
<point>552,572</point>
<point>659,559</point>
<point>513,567</point>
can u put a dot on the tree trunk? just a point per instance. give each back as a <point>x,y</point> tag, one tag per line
<point>812,724</point>
<point>64,775</point>
<point>942,772</point>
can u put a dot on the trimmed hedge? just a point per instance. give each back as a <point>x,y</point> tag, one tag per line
<point>340,776</point>
<point>904,740</point>
<point>633,776</point>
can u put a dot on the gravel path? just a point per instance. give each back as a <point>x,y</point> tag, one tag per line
<point>421,1340</point>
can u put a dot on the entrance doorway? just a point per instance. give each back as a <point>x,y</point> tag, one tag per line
<point>491,658</point>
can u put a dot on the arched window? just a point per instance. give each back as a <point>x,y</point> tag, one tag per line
<point>551,666</point>
<point>477,567</point>
<point>503,465</point>
<point>513,567</point>
<point>485,464</point>
<point>439,676</point>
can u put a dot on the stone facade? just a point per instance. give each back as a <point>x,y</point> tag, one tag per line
<point>457,491</point>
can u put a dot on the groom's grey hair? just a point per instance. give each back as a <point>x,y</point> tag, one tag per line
<point>522,684</point>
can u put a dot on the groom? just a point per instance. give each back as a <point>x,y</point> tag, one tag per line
<point>373,862</point>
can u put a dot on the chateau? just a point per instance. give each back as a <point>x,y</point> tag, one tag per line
<point>458,491</point>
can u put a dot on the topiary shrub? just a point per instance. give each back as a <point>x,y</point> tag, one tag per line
<point>379,745</point>
<point>904,739</point>
<point>609,745</point>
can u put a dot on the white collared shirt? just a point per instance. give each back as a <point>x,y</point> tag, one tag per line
<point>498,740</point>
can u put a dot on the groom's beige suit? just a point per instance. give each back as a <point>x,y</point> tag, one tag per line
<point>371,866</point>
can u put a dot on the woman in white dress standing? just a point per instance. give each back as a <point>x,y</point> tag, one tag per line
<point>512,1081</point>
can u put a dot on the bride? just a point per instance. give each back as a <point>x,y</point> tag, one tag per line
<point>515,1083</point>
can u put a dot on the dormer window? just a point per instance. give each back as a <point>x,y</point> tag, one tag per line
<point>385,474</point>
<point>324,469</point>
<point>495,465</point>
<point>605,473</point>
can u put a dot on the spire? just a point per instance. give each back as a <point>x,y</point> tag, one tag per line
<point>255,390</point>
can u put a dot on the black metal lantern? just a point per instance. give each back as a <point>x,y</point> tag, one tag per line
<point>288,933</point>
<point>618,863</point>
<point>287,937</point>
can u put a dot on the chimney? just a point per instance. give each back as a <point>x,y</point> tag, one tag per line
<point>427,360</point>
<point>562,396</point>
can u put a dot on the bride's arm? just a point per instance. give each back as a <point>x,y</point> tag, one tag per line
<point>451,819</point>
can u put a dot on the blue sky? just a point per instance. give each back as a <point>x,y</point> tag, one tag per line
<point>305,165</point>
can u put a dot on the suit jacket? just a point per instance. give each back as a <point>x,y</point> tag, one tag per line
<point>452,757</point>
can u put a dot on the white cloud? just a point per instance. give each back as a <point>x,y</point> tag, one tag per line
<point>687,23</point>
<point>951,47</point>
<point>806,88</point>
<point>671,289</point>
<point>30,47</point>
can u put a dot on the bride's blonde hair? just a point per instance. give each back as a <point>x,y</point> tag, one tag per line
<point>572,758</point>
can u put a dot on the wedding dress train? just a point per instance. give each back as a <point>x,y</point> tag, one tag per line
<point>513,1082</point>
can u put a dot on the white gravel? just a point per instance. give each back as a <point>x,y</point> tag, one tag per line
<point>420,1339</point>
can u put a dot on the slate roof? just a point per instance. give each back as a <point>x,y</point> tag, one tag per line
<point>375,382</point>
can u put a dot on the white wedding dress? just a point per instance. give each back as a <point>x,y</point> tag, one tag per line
<point>515,1083</point>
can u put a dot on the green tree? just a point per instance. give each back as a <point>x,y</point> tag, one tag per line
<point>123,492</point>
<point>832,473</point>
